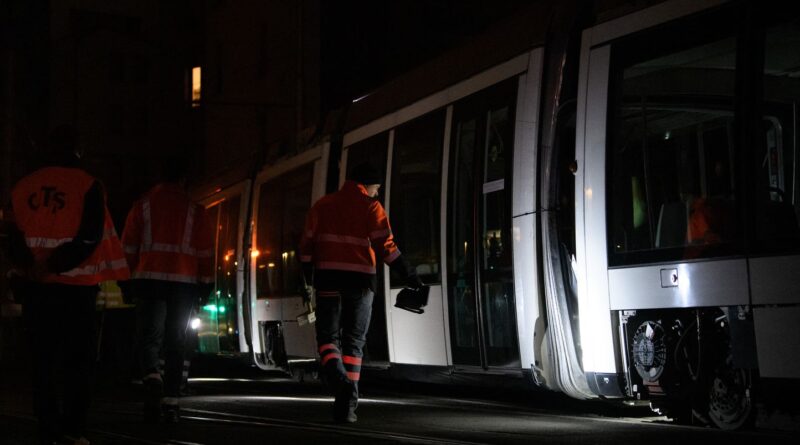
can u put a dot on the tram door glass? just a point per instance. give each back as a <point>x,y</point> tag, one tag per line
<point>673,189</point>
<point>415,210</point>
<point>776,181</point>
<point>373,151</point>
<point>282,207</point>
<point>218,311</point>
<point>481,294</point>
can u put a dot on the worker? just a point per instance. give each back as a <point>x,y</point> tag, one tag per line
<point>168,242</point>
<point>63,244</point>
<point>344,232</point>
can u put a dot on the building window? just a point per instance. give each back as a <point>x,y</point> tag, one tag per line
<point>195,91</point>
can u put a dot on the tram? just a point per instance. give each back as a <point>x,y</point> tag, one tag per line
<point>602,197</point>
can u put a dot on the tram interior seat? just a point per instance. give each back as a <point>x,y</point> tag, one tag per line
<point>673,220</point>
<point>424,269</point>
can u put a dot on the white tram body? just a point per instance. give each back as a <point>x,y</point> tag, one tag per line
<point>608,213</point>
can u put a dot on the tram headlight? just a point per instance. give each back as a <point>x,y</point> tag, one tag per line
<point>195,324</point>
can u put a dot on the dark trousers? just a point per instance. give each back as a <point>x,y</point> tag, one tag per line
<point>342,324</point>
<point>60,323</point>
<point>163,309</point>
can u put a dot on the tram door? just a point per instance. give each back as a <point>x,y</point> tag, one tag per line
<point>481,294</point>
<point>774,287</point>
<point>218,314</point>
<point>283,203</point>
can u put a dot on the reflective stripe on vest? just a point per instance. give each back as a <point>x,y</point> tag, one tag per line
<point>52,243</point>
<point>164,276</point>
<point>344,239</point>
<point>92,269</point>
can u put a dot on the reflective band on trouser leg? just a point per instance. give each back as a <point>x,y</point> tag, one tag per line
<point>353,367</point>
<point>329,352</point>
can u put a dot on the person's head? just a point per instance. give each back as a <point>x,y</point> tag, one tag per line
<point>62,147</point>
<point>368,176</point>
<point>174,168</point>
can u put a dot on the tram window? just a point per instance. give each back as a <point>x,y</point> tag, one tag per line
<point>224,308</point>
<point>282,207</point>
<point>227,241</point>
<point>496,239</point>
<point>481,291</point>
<point>464,324</point>
<point>777,203</point>
<point>416,197</point>
<point>671,188</point>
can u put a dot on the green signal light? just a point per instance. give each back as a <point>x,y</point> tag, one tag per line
<point>212,308</point>
<point>222,309</point>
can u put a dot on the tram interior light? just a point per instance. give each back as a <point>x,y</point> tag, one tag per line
<point>195,325</point>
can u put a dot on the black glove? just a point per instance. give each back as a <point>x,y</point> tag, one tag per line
<point>402,270</point>
<point>413,281</point>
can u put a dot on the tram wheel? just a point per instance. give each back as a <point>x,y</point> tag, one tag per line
<point>730,405</point>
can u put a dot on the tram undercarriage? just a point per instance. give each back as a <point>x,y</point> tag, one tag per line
<point>684,363</point>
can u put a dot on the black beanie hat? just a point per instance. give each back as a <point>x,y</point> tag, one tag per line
<point>365,174</point>
<point>62,147</point>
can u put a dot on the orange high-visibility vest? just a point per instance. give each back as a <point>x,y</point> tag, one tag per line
<point>344,230</point>
<point>48,207</point>
<point>705,221</point>
<point>168,237</point>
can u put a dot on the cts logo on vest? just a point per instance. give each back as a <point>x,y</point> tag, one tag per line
<point>49,197</point>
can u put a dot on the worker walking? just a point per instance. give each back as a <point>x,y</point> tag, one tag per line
<point>62,244</point>
<point>168,241</point>
<point>344,232</point>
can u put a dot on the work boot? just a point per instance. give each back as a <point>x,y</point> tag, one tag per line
<point>153,392</point>
<point>171,413</point>
<point>344,406</point>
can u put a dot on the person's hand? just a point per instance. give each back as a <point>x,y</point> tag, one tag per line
<point>18,283</point>
<point>414,282</point>
<point>308,293</point>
